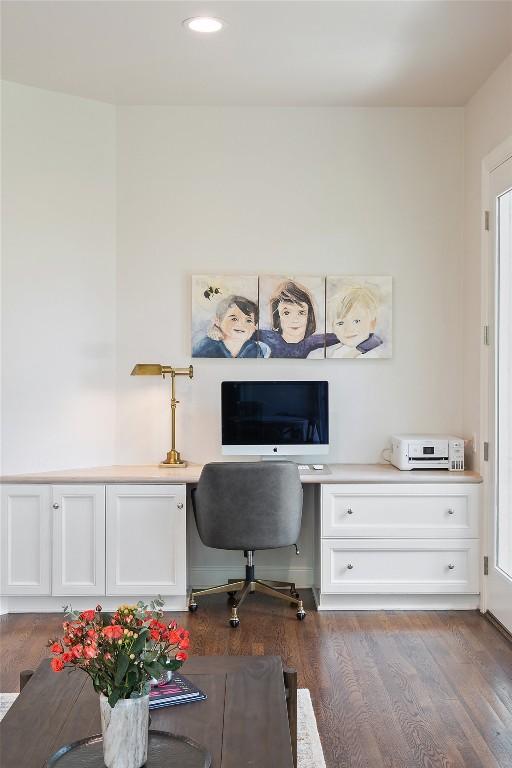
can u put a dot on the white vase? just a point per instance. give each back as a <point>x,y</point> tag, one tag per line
<point>125,732</point>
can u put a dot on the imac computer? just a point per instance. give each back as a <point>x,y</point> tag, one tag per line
<point>269,418</point>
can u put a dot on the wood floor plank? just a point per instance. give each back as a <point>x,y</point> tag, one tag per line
<point>393,749</point>
<point>389,689</point>
<point>410,700</point>
<point>343,709</point>
<point>478,652</point>
<point>469,741</point>
<point>480,701</point>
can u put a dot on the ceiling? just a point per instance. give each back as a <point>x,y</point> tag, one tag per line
<point>289,53</point>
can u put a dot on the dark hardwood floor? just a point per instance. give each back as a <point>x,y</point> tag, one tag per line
<point>393,689</point>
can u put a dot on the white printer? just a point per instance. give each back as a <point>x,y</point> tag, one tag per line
<point>427,452</point>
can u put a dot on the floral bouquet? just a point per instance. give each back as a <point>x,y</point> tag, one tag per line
<point>123,651</point>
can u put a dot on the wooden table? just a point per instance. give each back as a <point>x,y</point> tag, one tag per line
<point>244,721</point>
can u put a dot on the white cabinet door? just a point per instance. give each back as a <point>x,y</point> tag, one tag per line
<point>146,541</point>
<point>26,540</point>
<point>78,539</point>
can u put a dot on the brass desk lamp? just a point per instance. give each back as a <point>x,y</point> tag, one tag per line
<point>155,369</point>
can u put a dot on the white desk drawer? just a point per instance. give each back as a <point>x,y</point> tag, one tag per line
<point>399,566</point>
<point>434,511</point>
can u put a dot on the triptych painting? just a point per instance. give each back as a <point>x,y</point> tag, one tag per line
<point>287,316</point>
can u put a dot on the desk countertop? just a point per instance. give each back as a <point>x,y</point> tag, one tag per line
<point>333,473</point>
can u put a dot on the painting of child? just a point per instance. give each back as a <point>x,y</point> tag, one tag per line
<point>359,312</point>
<point>225,322</point>
<point>292,315</point>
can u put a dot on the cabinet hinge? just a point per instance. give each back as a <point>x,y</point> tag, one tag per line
<point>487,220</point>
<point>486,565</point>
<point>486,336</point>
<point>486,451</point>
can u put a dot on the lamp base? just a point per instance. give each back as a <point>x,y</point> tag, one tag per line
<point>173,460</point>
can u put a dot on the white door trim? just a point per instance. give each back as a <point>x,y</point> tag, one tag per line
<point>490,162</point>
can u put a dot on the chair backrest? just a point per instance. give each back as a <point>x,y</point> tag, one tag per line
<point>249,505</point>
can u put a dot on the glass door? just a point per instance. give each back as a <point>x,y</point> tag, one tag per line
<point>500,447</point>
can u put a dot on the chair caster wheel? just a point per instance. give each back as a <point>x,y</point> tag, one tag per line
<point>301,615</point>
<point>234,623</point>
<point>192,607</point>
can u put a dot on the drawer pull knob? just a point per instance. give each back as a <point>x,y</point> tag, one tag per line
<point>451,566</point>
<point>180,505</point>
<point>350,566</point>
<point>451,511</point>
<point>349,511</point>
<point>55,506</point>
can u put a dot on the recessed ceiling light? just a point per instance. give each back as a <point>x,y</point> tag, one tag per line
<point>205,24</point>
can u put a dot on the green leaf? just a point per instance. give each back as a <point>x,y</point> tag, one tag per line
<point>140,642</point>
<point>123,662</point>
<point>114,697</point>
<point>154,669</point>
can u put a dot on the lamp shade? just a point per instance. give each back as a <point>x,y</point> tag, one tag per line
<point>147,369</point>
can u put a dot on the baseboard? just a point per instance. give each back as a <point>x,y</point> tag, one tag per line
<point>206,576</point>
<point>325,602</point>
<point>30,604</point>
<point>209,576</point>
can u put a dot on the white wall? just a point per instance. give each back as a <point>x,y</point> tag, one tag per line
<point>487,122</point>
<point>320,191</point>
<point>58,270</point>
<point>326,191</point>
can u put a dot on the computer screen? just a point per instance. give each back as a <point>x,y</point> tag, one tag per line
<point>275,417</point>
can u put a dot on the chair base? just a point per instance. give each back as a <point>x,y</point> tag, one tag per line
<point>238,591</point>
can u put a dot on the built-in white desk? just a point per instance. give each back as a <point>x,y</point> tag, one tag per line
<point>333,473</point>
<point>373,536</point>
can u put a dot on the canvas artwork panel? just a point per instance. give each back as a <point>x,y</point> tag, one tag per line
<point>292,315</point>
<point>359,316</point>
<point>225,317</point>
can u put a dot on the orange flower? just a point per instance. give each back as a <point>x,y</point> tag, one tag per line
<point>174,637</point>
<point>66,657</point>
<point>155,635</point>
<point>181,656</point>
<point>184,644</point>
<point>154,624</point>
<point>77,650</point>
<point>57,664</point>
<point>56,648</point>
<point>87,615</point>
<point>90,652</point>
<point>113,632</point>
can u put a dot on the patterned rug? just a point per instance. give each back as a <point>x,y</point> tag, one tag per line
<point>309,748</point>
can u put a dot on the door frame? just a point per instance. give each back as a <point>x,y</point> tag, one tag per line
<point>490,162</point>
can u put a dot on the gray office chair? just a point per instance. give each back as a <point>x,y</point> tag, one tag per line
<point>249,506</point>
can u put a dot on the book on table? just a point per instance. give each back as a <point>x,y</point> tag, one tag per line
<point>179,690</point>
